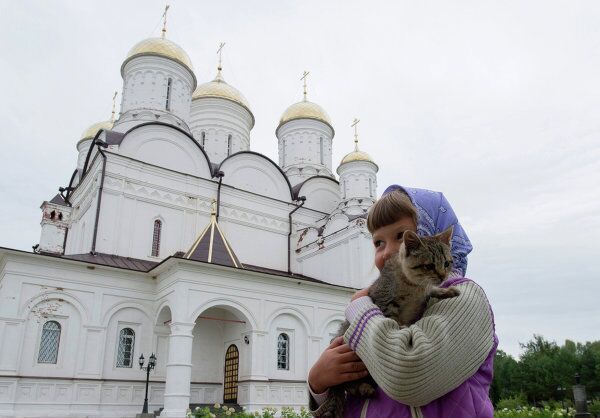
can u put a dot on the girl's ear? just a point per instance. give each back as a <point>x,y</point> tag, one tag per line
<point>446,236</point>
<point>411,241</point>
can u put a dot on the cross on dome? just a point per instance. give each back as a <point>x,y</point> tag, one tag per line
<point>303,78</point>
<point>164,16</point>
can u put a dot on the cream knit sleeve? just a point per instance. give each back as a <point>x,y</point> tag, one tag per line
<point>423,362</point>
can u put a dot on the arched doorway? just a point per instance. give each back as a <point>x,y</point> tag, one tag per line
<point>230,381</point>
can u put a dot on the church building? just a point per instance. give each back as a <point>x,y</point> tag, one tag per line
<point>173,238</point>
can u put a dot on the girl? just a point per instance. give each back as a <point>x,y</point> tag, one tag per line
<point>439,367</point>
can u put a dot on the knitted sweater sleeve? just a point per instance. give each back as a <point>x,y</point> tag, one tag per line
<point>420,363</point>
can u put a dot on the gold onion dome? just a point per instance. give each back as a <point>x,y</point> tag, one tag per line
<point>218,88</point>
<point>357,155</point>
<point>160,47</point>
<point>91,132</point>
<point>305,110</point>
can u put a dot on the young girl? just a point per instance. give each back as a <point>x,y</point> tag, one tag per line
<point>439,367</point>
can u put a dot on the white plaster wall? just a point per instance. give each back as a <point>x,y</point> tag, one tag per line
<point>145,87</point>
<point>300,149</point>
<point>217,119</point>
<point>358,180</point>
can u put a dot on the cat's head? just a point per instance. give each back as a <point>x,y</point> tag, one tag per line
<point>426,260</point>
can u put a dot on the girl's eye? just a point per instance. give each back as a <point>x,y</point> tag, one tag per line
<point>377,243</point>
<point>400,235</point>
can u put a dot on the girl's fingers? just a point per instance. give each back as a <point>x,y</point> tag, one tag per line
<point>348,357</point>
<point>349,377</point>
<point>353,367</point>
<point>337,341</point>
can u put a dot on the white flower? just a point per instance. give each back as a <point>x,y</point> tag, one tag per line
<point>197,408</point>
<point>228,413</point>
<point>217,405</point>
<point>212,415</point>
<point>232,410</point>
<point>224,408</point>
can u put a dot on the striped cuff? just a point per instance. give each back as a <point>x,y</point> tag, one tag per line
<point>358,305</point>
<point>359,312</point>
<point>319,398</point>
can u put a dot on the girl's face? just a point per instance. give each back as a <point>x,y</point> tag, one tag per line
<point>387,239</point>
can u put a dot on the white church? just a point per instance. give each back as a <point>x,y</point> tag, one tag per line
<point>174,238</point>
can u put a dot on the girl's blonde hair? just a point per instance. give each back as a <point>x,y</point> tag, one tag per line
<point>390,208</point>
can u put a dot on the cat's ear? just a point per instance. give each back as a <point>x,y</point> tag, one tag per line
<point>446,236</point>
<point>411,241</point>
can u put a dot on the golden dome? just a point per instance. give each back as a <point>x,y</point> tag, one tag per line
<point>161,47</point>
<point>220,89</point>
<point>357,156</point>
<point>305,110</point>
<point>91,132</point>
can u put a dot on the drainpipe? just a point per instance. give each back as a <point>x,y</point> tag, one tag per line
<point>301,199</point>
<point>102,144</point>
<point>220,176</point>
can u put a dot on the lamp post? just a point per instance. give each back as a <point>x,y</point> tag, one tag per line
<point>150,366</point>
<point>561,392</point>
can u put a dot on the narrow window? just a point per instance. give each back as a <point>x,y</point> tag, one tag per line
<point>229,145</point>
<point>168,103</point>
<point>370,187</point>
<point>283,352</point>
<point>156,238</point>
<point>52,215</point>
<point>125,350</point>
<point>60,216</point>
<point>49,343</point>
<point>321,148</point>
<point>202,139</point>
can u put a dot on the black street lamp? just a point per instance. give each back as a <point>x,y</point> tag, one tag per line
<point>150,366</point>
<point>561,392</point>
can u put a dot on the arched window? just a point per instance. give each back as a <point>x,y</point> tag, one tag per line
<point>156,238</point>
<point>283,352</point>
<point>49,343</point>
<point>168,102</point>
<point>125,350</point>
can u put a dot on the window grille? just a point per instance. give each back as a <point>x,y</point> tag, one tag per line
<point>49,343</point>
<point>168,103</point>
<point>321,148</point>
<point>156,238</point>
<point>283,352</point>
<point>230,384</point>
<point>125,350</point>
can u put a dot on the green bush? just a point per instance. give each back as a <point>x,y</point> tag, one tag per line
<point>224,411</point>
<point>594,407</point>
<point>530,411</point>
<point>513,403</point>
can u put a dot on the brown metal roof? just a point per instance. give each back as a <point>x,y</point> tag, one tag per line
<point>112,260</point>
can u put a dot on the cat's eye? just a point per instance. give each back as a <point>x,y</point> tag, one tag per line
<point>447,264</point>
<point>429,267</point>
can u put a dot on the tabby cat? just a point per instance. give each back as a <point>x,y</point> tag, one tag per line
<point>402,290</point>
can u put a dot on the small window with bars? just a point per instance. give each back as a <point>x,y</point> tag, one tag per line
<point>168,102</point>
<point>156,238</point>
<point>283,352</point>
<point>125,349</point>
<point>49,343</point>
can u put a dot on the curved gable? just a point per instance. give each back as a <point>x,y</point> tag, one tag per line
<point>322,193</point>
<point>256,173</point>
<point>165,146</point>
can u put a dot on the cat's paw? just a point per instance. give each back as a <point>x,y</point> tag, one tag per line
<point>366,390</point>
<point>452,292</point>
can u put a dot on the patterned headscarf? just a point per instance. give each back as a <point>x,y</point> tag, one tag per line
<point>434,215</point>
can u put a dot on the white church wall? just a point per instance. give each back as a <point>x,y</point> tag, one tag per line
<point>145,86</point>
<point>165,147</point>
<point>322,194</point>
<point>257,174</point>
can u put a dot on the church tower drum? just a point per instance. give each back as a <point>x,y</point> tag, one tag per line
<point>220,119</point>
<point>158,81</point>
<point>358,178</point>
<point>305,136</point>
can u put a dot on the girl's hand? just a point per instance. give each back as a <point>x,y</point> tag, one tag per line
<point>338,364</point>
<point>360,293</point>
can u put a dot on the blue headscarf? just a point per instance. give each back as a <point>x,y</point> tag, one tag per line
<point>434,215</point>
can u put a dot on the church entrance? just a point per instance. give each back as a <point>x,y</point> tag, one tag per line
<point>230,386</point>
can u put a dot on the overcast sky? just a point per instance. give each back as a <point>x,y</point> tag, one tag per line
<point>497,104</point>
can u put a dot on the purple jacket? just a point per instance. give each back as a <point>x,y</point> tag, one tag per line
<point>469,400</point>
